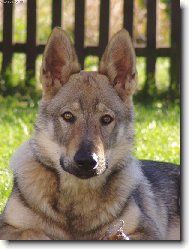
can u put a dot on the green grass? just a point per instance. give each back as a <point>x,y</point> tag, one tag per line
<point>16,124</point>
<point>157,134</point>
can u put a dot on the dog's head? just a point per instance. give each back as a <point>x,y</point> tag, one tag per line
<point>85,119</point>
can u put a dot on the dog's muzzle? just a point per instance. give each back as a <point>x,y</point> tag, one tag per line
<point>83,169</point>
<point>86,162</point>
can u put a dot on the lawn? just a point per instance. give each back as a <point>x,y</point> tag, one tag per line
<point>157,133</point>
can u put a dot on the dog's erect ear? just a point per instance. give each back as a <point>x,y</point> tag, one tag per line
<point>118,63</point>
<point>59,62</point>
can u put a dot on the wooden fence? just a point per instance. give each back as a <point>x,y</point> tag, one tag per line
<point>150,52</point>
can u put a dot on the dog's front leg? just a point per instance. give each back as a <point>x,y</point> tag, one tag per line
<point>8,232</point>
<point>31,234</point>
<point>143,236</point>
<point>146,231</point>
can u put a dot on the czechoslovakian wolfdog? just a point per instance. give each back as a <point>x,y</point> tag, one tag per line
<point>77,176</point>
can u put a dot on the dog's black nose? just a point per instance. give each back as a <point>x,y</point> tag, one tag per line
<point>85,160</point>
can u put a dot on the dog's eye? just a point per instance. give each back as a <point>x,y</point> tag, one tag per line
<point>68,117</point>
<point>106,119</point>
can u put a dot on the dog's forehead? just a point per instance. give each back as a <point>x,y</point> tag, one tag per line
<point>95,89</point>
<point>86,87</point>
<point>88,91</point>
<point>88,77</point>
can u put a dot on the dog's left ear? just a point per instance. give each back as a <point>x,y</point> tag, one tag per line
<point>118,64</point>
<point>59,62</point>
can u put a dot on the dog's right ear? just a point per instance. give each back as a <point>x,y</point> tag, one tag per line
<point>59,62</point>
<point>118,64</point>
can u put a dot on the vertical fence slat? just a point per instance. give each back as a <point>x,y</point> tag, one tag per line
<point>7,35</point>
<point>56,13</point>
<point>104,25</point>
<point>31,40</point>
<point>80,29</point>
<point>175,46</point>
<point>128,16</point>
<point>151,44</point>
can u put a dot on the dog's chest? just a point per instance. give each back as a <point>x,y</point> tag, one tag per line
<point>85,216</point>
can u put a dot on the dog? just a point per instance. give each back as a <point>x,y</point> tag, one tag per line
<point>77,176</point>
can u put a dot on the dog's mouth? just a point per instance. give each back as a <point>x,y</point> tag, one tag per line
<point>83,173</point>
<point>79,173</point>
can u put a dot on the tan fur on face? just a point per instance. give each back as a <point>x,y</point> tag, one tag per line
<point>92,97</point>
